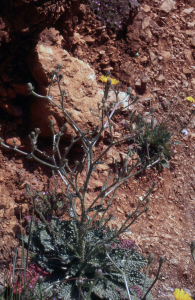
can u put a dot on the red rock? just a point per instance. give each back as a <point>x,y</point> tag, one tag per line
<point>89,40</point>
<point>94,184</point>
<point>188,55</point>
<point>11,93</point>
<point>3,92</point>
<point>190,32</point>
<point>146,8</point>
<point>77,39</point>
<point>21,89</point>
<point>144,60</point>
<point>187,11</point>
<point>153,57</point>
<point>165,104</point>
<point>102,167</point>
<point>138,83</point>
<point>193,40</point>
<point>146,22</point>
<point>135,46</point>
<point>78,81</point>
<point>187,72</point>
<point>166,55</point>
<point>167,6</point>
<point>160,78</point>
<point>105,37</point>
<point>190,25</point>
<point>10,141</point>
<point>193,83</point>
<point>11,109</point>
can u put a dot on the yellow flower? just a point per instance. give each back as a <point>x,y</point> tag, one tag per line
<point>105,78</point>
<point>190,99</point>
<point>181,295</point>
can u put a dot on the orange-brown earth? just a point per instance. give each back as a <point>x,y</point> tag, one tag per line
<point>156,49</point>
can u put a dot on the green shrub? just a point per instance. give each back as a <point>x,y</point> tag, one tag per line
<point>152,140</point>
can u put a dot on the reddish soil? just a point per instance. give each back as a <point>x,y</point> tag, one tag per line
<point>163,53</point>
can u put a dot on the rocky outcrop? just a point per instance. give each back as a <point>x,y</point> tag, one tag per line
<point>78,81</point>
<point>21,22</point>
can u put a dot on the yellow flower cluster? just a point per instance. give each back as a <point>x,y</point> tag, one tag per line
<point>181,295</point>
<point>105,78</point>
<point>190,99</point>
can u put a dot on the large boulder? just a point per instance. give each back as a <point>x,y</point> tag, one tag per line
<point>79,83</point>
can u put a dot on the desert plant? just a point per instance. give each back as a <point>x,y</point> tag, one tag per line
<point>152,139</point>
<point>55,253</point>
<point>79,253</point>
<point>49,202</point>
<point>114,13</point>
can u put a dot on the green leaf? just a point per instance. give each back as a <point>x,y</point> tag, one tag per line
<point>164,164</point>
<point>59,204</point>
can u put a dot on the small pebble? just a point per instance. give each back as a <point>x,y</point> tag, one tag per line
<point>184,132</point>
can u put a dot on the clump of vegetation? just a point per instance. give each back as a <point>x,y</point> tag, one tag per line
<point>152,140</point>
<point>55,251</point>
<point>84,257</point>
<point>49,203</point>
<point>114,13</point>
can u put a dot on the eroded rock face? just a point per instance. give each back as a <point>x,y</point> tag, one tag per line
<point>78,81</point>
